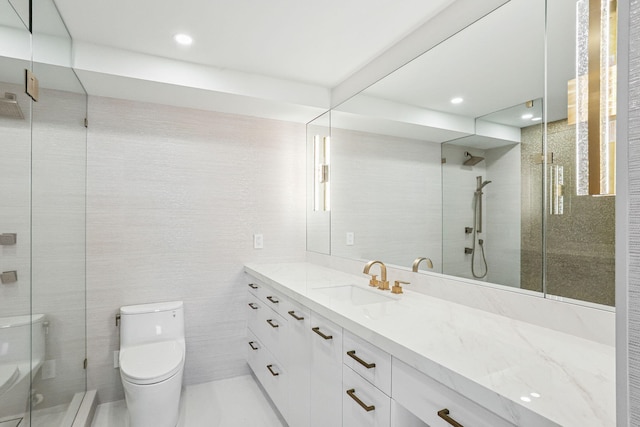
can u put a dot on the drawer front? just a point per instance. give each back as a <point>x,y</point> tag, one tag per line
<point>273,377</point>
<point>325,373</point>
<point>256,349</point>
<point>272,330</point>
<point>424,397</point>
<point>369,361</point>
<point>254,307</point>
<point>299,335</point>
<point>363,405</point>
<point>273,300</point>
<point>255,287</point>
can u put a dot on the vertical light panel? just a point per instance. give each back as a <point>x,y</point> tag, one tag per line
<point>321,161</point>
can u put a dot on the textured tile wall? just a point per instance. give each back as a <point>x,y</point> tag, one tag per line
<point>580,242</point>
<point>387,191</point>
<point>633,258</point>
<point>174,198</point>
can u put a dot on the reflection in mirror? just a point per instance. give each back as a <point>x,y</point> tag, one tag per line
<point>319,183</point>
<point>505,212</point>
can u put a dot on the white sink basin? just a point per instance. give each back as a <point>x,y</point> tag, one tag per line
<point>356,295</point>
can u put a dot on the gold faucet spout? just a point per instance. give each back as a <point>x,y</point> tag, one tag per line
<point>383,269</point>
<point>417,262</point>
<point>383,283</point>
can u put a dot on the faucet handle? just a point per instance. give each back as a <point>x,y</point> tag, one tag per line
<point>374,281</point>
<point>396,288</point>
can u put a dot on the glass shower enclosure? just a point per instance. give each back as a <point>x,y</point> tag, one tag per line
<point>42,220</point>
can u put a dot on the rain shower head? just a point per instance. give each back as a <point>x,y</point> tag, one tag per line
<point>9,107</point>
<point>472,160</point>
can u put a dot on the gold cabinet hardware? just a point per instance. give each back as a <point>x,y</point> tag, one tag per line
<point>352,394</point>
<point>273,325</point>
<point>352,354</point>
<point>253,306</point>
<point>293,314</point>
<point>271,298</point>
<point>251,344</point>
<point>270,368</point>
<point>397,289</point>
<point>253,286</point>
<point>317,331</point>
<point>444,414</point>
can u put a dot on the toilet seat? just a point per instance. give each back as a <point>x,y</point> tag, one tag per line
<point>151,363</point>
<point>8,376</point>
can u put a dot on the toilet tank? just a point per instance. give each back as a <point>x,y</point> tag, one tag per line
<point>147,323</point>
<point>16,335</point>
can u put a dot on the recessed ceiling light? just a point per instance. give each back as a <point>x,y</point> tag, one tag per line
<point>456,100</point>
<point>527,116</point>
<point>536,119</point>
<point>183,39</point>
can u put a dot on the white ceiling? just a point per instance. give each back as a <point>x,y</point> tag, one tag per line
<point>320,42</point>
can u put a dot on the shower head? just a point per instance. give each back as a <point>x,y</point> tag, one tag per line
<point>472,160</point>
<point>9,107</point>
<point>484,184</point>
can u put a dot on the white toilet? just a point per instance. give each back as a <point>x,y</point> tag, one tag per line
<point>152,353</point>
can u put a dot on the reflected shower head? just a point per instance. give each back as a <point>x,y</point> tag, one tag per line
<point>9,107</point>
<point>472,160</point>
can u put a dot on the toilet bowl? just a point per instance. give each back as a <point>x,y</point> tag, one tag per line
<point>152,354</point>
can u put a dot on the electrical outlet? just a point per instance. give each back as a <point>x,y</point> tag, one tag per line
<point>258,241</point>
<point>350,238</point>
<point>116,359</point>
<point>48,369</point>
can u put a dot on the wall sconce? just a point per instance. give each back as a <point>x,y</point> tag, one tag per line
<point>592,96</point>
<point>321,161</point>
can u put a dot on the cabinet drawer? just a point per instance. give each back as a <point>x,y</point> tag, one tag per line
<point>273,300</point>
<point>271,329</point>
<point>255,287</point>
<point>363,405</point>
<point>424,397</point>
<point>369,361</point>
<point>256,349</point>
<point>273,376</point>
<point>254,307</point>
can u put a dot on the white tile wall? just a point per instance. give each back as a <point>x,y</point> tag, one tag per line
<point>501,212</point>
<point>175,196</point>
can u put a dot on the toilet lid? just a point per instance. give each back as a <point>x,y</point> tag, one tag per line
<point>151,363</point>
<point>8,375</point>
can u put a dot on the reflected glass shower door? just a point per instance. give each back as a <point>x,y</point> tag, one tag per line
<point>15,214</point>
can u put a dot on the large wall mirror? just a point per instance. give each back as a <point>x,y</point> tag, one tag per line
<point>469,155</point>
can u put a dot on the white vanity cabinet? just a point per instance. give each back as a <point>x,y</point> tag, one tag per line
<point>366,381</point>
<point>426,398</point>
<point>298,346</point>
<point>326,373</point>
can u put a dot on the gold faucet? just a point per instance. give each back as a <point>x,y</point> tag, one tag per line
<point>383,283</point>
<point>417,261</point>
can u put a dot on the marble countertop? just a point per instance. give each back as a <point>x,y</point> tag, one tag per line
<point>527,374</point>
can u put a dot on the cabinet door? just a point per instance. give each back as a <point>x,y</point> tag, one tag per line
<point>299,335</point>
<point>364,405</point>
<point>326,373</point>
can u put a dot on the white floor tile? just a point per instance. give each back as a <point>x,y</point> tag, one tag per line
<point>235,402</point>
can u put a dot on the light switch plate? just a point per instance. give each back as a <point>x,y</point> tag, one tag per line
<point>350,238</point>
<point>258,241</point>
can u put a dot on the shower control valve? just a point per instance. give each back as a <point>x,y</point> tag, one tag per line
<point>468,230</point>
<point>468,251</point>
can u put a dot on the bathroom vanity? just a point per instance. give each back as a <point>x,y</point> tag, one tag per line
<point>330,351</point>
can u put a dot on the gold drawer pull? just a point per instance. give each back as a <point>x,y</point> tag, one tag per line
<point>270,298</point>
<point>317,331</point>
<point>251,343</point>
<point>293,314</point>
<point>253,306</point>
<point>270,368</point>
<point>273,325</point>
<point>444,414</point>
<point>352,354</point>
<point>352,394</point>
<point>253,286</point>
